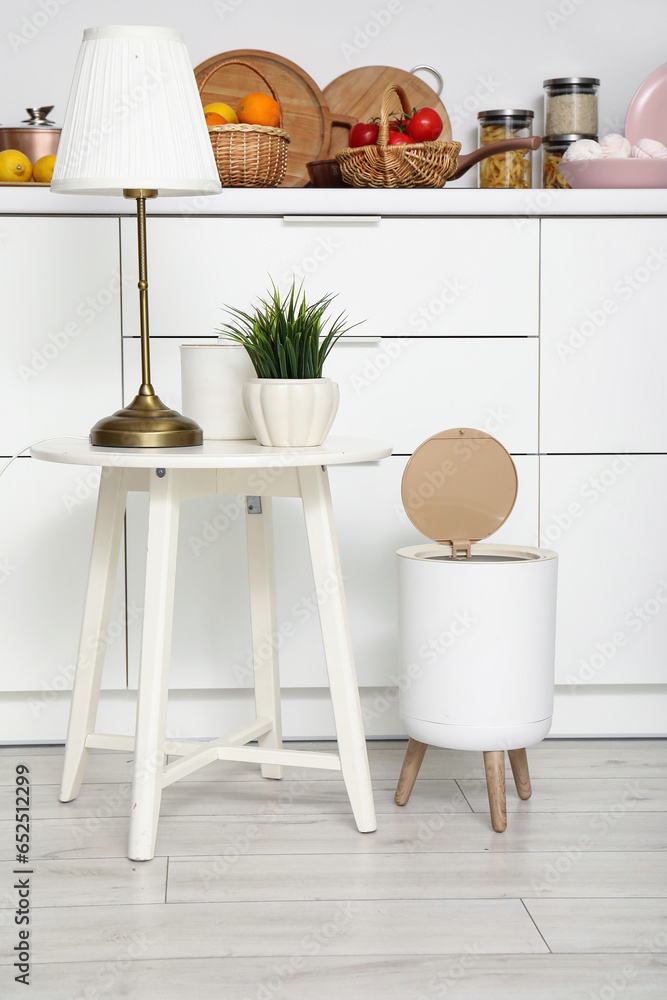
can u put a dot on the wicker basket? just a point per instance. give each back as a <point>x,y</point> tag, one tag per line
<point>419,164</point>
<point>248,155</point>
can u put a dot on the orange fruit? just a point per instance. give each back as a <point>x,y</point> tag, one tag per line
<point>258,109</point>
<point>213,118</point>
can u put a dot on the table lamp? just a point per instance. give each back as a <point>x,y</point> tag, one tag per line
<point>134,126</point>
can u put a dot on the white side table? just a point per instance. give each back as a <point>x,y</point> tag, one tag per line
<point>171,475</point>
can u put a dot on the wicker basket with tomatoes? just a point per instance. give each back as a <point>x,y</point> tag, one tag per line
<point>403,152</point>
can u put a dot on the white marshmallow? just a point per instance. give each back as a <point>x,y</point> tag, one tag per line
<point>583,149</point>
<point>615,143</point>
<point>618,154</point>
<point>649,149</point>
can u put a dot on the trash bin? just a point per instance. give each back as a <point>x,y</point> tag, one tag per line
<point>476,620</point>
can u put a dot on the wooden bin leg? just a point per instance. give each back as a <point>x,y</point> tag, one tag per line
<point>494,766</point>
<point>412,761</point>
<point>519,764</point>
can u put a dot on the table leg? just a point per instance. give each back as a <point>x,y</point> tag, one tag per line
<point>107,532</point>
<point>149,754</point>
<point>259,534</point>
<point>318,513</point>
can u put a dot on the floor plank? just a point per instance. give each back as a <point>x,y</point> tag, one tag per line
<point>617,795</point>
<point>465,977</point>
<point>418,876</point>
<point>341,927</point>
<point>232,798</point>
<point>82,882</point>
<point>398,833</point>
<point>603,925</point>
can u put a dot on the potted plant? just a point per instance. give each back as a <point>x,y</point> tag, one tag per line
<point>289,403</point>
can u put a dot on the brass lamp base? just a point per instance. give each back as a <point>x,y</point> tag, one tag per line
<point>146,423</point>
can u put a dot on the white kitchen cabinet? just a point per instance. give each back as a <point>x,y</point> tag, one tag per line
<point>404,391</point>
<point>604,349</point>
<point>61,362</point>
<point>47,514</point>
<point>60,372</point>
<point>404,276</point>
<point>454,306</point>
<point>211,644</point>
<point>604,514</point>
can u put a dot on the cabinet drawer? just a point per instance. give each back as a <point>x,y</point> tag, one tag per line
<point>604,350</point>
<point>402,391</point>
<point>603,515</point>
<point>211,639</point>
<point>48,512</point>
<point>60,288</point>
<point>403,277</point>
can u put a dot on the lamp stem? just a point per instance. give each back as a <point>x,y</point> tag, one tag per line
<point>146,388</point>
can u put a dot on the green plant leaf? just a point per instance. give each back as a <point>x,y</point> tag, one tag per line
<point>285,336</point>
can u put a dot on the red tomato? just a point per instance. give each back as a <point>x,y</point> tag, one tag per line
<point>425,125</point>
<point>398,124</point>
<point>399,139</point>
<point>364,134</point>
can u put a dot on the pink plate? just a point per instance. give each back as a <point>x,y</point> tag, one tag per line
<point>647,114</point>
<point>621,173</point>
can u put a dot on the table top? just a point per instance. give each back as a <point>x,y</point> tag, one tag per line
<point>211,454</point>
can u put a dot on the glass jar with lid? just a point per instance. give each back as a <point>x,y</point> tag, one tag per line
<point>553,147</point>
<point>571,105</point>
<point>511,169</point>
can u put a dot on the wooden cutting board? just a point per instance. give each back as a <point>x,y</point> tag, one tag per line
<point>306,115</point>
<point>359,92</point>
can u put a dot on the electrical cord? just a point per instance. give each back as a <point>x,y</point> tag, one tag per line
<point>19,453</point>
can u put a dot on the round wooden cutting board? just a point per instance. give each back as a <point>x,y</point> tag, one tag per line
<point>358,93</point>
<point>306,115</point>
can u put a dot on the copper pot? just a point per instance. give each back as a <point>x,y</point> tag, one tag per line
<point>36,137</point>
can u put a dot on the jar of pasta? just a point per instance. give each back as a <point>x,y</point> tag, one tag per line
<point>505,170</point>
<point>553,147</point>
<point>571,105</point>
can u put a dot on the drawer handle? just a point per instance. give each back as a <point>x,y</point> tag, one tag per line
<point>305,220</point>
<point>358,340</point>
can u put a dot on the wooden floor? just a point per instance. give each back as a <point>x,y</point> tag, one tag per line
<point>264,889</point>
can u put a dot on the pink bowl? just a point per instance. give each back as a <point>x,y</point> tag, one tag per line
<point>621,173</point>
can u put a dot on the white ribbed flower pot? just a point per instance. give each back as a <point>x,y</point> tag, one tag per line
<point>212,377</point>
<point>291,412</point>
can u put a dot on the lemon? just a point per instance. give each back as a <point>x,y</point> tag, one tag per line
<point>14,166</point>
<point>43,169</point>
<point>223,109</point>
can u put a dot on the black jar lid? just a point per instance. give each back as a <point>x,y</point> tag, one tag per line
<point>570,137</point>
<point>572,81</point>
<point>505,113</point>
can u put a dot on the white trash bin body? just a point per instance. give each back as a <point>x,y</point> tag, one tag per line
<point>477,639</point>
<point>477,620</point>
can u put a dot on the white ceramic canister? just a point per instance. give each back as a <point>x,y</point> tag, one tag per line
<point>212,376</point>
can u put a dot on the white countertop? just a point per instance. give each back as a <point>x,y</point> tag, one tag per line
<point>447,201</point>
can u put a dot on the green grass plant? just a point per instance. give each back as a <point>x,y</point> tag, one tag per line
<point>284,336</point>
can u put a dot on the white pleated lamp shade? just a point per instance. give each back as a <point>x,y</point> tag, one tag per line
<point>134,119</point>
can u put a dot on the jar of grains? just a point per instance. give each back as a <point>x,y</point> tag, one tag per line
<point>553,147</point>
<point>511,169</point>
<point>571,105</point>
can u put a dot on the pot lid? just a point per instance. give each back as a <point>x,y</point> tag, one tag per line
<point>37,118</point>
<point>459,487</point>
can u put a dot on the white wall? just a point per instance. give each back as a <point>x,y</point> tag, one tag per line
<point>512,46</point>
